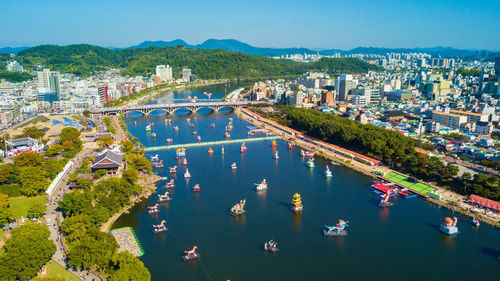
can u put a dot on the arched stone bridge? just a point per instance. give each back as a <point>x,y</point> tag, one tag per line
<point>171,107</point>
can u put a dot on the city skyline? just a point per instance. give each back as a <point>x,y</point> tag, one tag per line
<point>316,25</point>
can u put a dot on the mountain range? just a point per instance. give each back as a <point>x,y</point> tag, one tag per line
<point>238,46</point>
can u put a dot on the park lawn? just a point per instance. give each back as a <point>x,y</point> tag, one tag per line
<point>55,270</point>
<point>19,205</point>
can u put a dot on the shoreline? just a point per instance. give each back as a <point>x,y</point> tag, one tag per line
<point>147,181</point>
<point>149,185</point>
<point>367,170</point>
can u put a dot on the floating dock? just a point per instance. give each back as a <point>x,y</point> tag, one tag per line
<point>128,241</point>
<point>208,143</point>
<point>403,181</point>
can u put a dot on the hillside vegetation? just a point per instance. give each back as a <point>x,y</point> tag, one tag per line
<point>83,60</point>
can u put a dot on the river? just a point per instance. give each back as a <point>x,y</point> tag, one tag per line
<point>399,243</point>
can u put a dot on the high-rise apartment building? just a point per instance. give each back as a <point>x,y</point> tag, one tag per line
<point>186,74</point>
<point>43,80</point>
<point>164,72</point>
<point>49,87</point>
<point>344,84</point>
<point>102,91</point>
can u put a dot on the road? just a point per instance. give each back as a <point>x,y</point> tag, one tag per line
<point>54,218</point>
<point>471,166</point>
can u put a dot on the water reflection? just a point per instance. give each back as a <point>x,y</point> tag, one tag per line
<point>297,220</point>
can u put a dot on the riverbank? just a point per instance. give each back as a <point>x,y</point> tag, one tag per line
<point>451,200</point>
<point>148,182</point>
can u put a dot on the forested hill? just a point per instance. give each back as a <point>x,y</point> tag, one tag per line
<point>82,60</point>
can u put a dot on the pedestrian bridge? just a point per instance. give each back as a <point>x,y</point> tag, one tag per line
<point>208,143</point>
<point>169,108</point>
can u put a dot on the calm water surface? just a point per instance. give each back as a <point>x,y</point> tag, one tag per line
<point>400,243</point>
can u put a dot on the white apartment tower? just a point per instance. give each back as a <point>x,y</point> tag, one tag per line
<point>186,74</point>
<point>164,72</point>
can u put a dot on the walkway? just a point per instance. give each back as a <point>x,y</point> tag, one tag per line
<point>54,215</point>
<point>208,143</point>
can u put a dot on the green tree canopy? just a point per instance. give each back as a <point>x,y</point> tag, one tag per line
<point>126,267</point>
<point>33,181</point>
<point>8,174</point>
<point>26,251</point>
<point>32,132</point>
<point>69,134</point>
<point>105,141</point>
<point>36,210</point>
<point>29,159</point>
<point>53,150</point>
<point>94,248</point>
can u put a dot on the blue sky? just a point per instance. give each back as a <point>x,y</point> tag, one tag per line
<point>473,24</point>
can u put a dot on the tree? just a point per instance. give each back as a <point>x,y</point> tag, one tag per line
<point>32,181</point>
<point>7,174</point>
<point>75,203</point>
<point>105,141</point>
<point>69,134</point>
<point>466,176</point>
<point>126,267</point>
<point>86,113</point>
<point>128,146</point>
<point>131,175</point>
<point>30,159</point>
<point>83,183</point>
<point>53,150</point>
<point>76,226</point>
<point>94,248</point>
<point>36,210</point>
<point>6,216</point>
<point>26,251</point>
<point>139,162</point>
<point>99,174</point>
<point>52,168</point>
<point>4,200</point>
<point>33,132</point>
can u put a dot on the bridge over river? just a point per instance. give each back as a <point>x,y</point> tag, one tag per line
<point>171,107</point>
<point>208,143</point>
